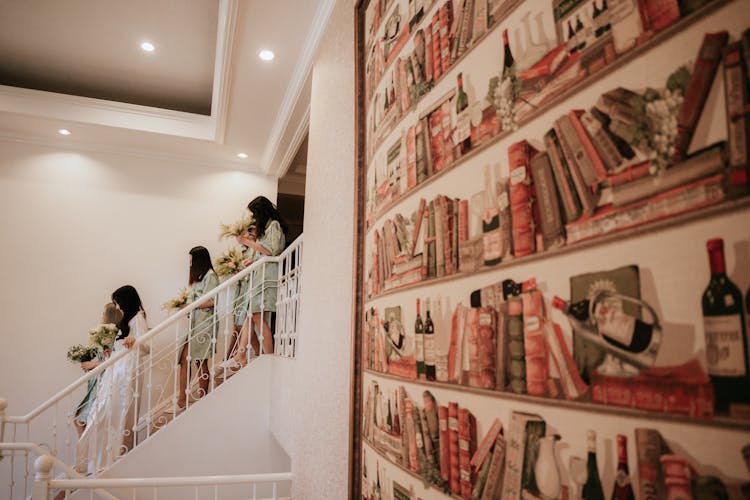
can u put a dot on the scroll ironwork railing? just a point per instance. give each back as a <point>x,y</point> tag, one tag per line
<point>138,389</point>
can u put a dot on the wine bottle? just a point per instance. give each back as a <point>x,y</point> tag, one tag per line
<point>622,489</point>
<point>725,331</point>
<point>463,120</point>
<point>429,344</point>
<point>491,235</point>
<point>592,488</point>
<point>419,344</point>
<point>598,28</point>
<point>396,418</point>
<point>572,43</point>
<point>605,17</point>
<point>389,419</point>
<point>509,63</point>
<point>580,33</point>
<point>619,329</point>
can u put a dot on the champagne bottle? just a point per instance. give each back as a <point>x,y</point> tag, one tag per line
<point>419,343</point>
<point>509,62</point>
<point>491,235</point>
<point>619,329</point>
<point>572,43</point>
<point>725,331</point>
<point>622,489</point>
<point>580,33</point>
<point>598,28</point>
<point>429,344</point>
<point>592,488</point>
<point>463,121</point>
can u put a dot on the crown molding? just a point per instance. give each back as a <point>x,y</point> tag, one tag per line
<point>225,38</point>
<point>297,82</point>
<point>294,143</point>
<point>79,109</point>
<point>75,146</point>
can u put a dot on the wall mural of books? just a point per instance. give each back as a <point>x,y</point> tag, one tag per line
<point>554,213</point>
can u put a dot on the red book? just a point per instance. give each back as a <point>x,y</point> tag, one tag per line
<point>463,221</point>
<point>588,145</point>
<point>446,19</point>
<point>445,114</point>
<point>467,443</point>
<point>630,174</point>
<point>444,443</point>
<point>411,433</point>
<point>428,53</point>
<point>704,71</point>
<point>437,66</point>
<point>483,450</point>
<point>535,346</point>
<point>522,221</point>
<point>455,475</point>
<point>411,158</point>
<point>417,225</point>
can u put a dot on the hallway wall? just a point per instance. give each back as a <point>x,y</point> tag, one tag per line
<point>311,420</point>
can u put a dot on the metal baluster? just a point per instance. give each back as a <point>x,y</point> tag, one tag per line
<point>188,361</point>
<point>27,459</point>
<point>149,387</point>
<point>255,491</point>
<point>214,333</point>
<point>261,333</point>
<point>136,396</point>
<point>155,493</point>
<point>274,490</point>
<point>176,370</point>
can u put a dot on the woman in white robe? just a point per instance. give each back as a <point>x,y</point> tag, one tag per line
<point>111,422</point>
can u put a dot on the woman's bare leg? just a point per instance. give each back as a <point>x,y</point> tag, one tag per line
<point>260,324</point>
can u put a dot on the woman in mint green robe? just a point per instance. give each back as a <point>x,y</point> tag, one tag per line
<point>198,344</point>
<point>270,241</point>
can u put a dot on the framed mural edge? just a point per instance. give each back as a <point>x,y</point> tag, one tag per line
<point>443,89</point>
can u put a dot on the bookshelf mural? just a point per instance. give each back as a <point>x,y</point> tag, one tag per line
<point>553,236</point>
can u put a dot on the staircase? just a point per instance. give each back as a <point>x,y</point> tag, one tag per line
<point>180,442</point>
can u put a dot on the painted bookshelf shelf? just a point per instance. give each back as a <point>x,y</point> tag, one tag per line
<point>724,422</point>
<point>667,223</point>
<point>589,80</point>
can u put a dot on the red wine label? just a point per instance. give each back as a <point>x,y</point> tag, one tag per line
<point>615,324</point>
<point>463,126</point>
<point>724,347</point>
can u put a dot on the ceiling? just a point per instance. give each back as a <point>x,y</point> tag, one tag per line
<point>202,96</point>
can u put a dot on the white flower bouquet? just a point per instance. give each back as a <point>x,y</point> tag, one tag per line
<point>79,353</point>
<point>229,263</point>
<point>178,302</point>
<point>236,228</point>
<point>103,335</point>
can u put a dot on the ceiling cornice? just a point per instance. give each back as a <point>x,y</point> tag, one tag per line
<point>297,82</point>
<point>75,146</point>
<point>73,108</point>
<point>299,135</point>
<point>225,35</point>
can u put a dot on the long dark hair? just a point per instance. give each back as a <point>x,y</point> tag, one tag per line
<point>263,211</point>
<point>127,298</point>
<point>200,264</point>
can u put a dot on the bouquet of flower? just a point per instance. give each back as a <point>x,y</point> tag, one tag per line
<point>103,335</point>
<point>79,353</point>
<point>236,228</point>
<point>229,263</point>
<point>178,302</point>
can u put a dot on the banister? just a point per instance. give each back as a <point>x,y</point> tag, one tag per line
<point>152,333</point>
<point>40,451</point>
<point>152,482</point>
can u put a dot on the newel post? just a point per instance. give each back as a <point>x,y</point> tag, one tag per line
<point>43,467</point>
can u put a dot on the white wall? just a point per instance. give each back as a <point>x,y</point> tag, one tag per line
<point>311,418</point>
<point>227,433</point>
<point>75,226</point>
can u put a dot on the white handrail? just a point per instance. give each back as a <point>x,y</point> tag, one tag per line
<point>59,463</point>
<point>148,336</point>
<point>153,482</point>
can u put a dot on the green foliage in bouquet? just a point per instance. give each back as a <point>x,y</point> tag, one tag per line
<point>103,335</point>
<point>229,263</point>
<point>178,302</point>
<point>236,228</point>
<point>79,353</point>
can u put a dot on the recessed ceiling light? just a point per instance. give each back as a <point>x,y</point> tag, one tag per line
<point>242,155</point>
<point>266,55</point>
<point>147,46</point>
<point>63,131</point>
